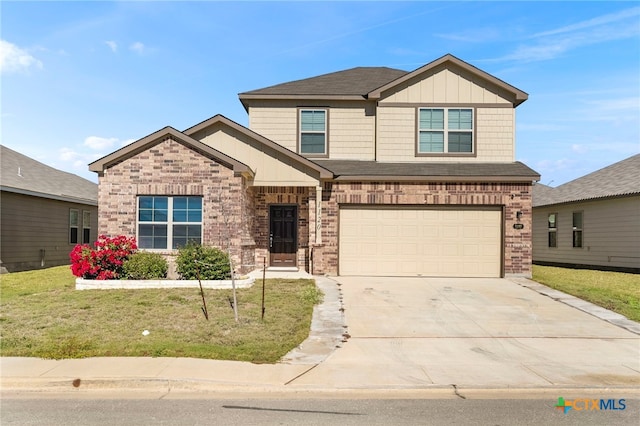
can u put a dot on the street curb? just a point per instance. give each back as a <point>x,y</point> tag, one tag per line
<point>154,387</point>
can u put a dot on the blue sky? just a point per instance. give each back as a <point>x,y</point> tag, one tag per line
<point>81,79</point>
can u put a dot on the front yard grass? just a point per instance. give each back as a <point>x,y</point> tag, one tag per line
<point>42,315</point>
<point>616,291</point>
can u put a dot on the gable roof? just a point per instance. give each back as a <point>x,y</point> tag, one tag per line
<point>461,172</point>
<point>619,179</point>
<point>221,119</point>
<point>153,139</point>
<point>367,83</point>
<point>518,95</point>
<point>24,175</point>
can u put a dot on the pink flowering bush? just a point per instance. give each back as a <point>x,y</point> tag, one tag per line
<point>104,262</point>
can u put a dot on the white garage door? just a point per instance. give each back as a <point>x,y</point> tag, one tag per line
<point>413,241</point>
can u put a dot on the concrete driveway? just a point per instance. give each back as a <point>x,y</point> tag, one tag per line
<point>421,332</point>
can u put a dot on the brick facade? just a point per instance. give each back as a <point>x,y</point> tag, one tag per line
<point>512,197</point>
<point>266,196</point>
<point>169,168</point>
<point>236,213</point>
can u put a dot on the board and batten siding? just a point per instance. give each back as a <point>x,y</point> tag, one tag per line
<point>611,233</point>
<point>30,224</point>
<point>494,135</point>
<point>447,86</point>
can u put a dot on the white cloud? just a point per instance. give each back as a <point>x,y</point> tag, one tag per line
<point>14,59</point>
<point>99,143</point>
<point>555,165</point>
<point>78,160</point>
<point>555,42</point>
<point>627,148</point>
<point>112,45</point>
<point>137,47</point>
<point>595,22</point>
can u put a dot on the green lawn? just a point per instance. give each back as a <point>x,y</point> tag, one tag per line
<point>615,291</point>
<point>42,315</point>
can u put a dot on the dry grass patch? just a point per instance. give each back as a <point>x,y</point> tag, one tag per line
<point>42,315</point>
<point>616,291</point>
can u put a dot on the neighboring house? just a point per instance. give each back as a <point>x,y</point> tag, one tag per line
<point>590,222</point>
<point>368,171</point>
<point>44,213</point>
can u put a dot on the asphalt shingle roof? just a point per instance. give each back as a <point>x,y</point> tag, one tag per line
<point>619,179</point>
<point>23,174</point>
<point>345,168</point>
<point>352,82</point>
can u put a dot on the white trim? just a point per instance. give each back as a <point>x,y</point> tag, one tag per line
<point>323,132</point>
<point>169,223</point>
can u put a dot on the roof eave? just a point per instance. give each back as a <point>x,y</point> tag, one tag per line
<point>519,95</point>
<point>219,118</point>
<point>586,200</point>
<point>427,178</point>
<point>58,197</point>
<point>100,165</point>
<point>257,97</point>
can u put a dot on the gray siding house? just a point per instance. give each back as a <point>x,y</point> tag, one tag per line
<point>44,213</point>
<point>591,222</point>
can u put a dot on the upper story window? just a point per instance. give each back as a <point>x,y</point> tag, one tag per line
<point>577,229</point>
<point>169,222</point>
<point>445,130</point>
<point>313,132</point>
<point>553,229</point>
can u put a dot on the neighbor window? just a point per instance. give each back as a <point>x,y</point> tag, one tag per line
<point>553,229</point>
<point>445,130</point>
<point>74,220</point>
<point>577,229</point>
<point>86,227</point>
<point>313,131</point>
<point>169,222</point>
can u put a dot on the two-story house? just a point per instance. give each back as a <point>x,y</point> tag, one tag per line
<point>367,171</point>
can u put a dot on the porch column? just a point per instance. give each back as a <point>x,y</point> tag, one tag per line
<point>318,214</point>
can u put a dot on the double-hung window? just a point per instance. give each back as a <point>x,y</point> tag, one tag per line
<point>577,229</point>
<point>169,222</point>
<point>445,130</point>
<point>86,227</point>
<point>74,221</point>
<point>313,131</point>
<point>552,228</point>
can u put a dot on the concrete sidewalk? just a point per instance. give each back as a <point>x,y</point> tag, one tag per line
<point>406,338</point>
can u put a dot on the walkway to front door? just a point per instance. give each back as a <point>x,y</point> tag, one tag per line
<point>283,235</point>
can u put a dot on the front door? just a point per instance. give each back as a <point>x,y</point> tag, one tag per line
<point>283,235</point>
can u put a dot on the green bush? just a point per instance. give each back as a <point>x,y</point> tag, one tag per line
<point>145,266</point>
<point>212,263</point>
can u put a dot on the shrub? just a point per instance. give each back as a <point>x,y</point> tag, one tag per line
<point>145,266</point>
<point>104,262</point>
<point>212,262</point>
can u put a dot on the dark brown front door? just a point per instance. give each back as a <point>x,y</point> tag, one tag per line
<point>283,235</point>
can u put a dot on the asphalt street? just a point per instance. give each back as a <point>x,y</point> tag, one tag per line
<point>33,410</point>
